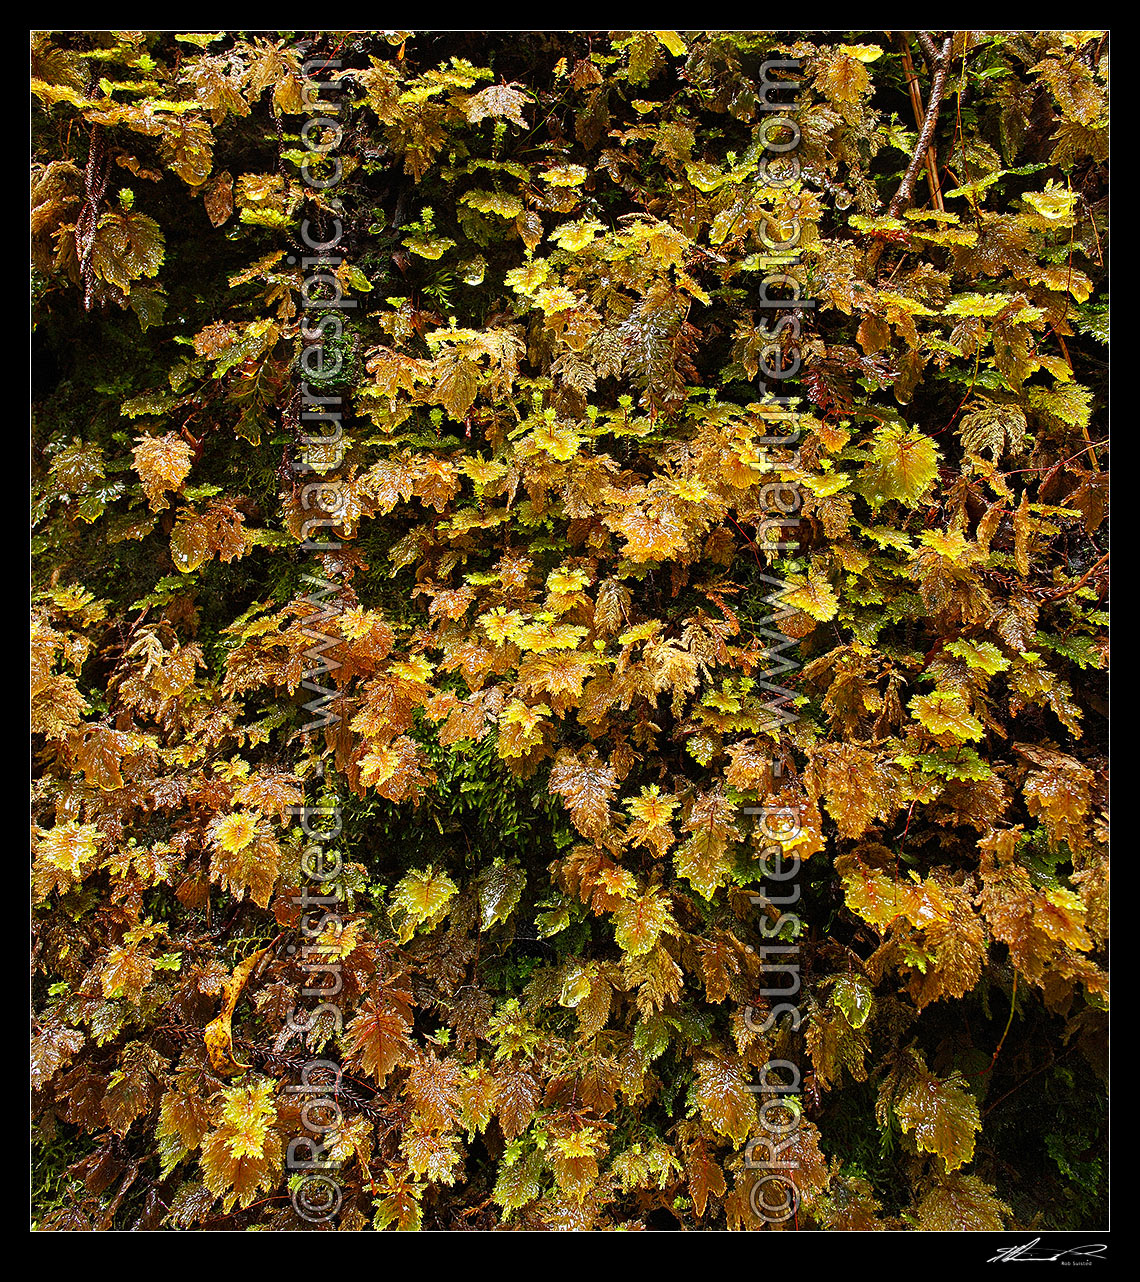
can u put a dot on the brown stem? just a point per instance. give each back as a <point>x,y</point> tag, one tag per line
<point>928,47</point>
<point>1031,1076</point>
<point>919,113</point>
<point>95,185</point>
<point>937,88</point>
<point>1056,596</point>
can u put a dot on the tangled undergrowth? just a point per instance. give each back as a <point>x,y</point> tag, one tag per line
<point>437,499</point>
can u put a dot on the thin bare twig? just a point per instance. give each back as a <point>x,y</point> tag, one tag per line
<point>928,47</point>
<point>937,88</point>
<point>919,113</point>
<point>1063,592</point>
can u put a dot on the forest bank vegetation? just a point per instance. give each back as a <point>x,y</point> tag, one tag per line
<point>523,411</point>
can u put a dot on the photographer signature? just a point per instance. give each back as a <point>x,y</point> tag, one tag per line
<point>1026,1253</point>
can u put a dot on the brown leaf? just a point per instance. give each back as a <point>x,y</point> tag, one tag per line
<point>377,1039</point>
<point>218,1035</point>
<point>517,1095</point>
<point>218,198</point>
<point>587,785</point>
<point>724,1099</point>
<point>163,463</point>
